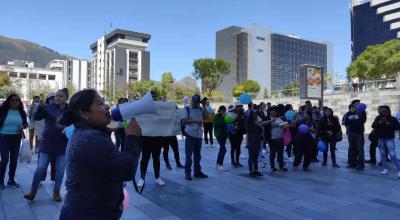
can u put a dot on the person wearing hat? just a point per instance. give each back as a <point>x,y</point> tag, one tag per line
<point>52,145</point>
<point>193,130</point>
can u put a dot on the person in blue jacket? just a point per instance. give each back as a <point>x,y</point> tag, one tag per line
<point>52,145</point>
<point>95,168</point>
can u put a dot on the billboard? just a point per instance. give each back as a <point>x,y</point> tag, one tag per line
<point>311,82</point>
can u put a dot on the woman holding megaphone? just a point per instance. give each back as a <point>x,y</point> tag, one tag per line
<point>96,170</point>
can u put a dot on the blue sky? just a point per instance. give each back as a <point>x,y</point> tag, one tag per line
<point>182,30</point>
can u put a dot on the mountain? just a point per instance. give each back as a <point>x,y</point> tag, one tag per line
<point>16,49</point>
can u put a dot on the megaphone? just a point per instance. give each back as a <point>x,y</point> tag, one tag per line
<point>128,110</point>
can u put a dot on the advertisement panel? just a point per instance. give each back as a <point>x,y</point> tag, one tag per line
<point>311,82</point>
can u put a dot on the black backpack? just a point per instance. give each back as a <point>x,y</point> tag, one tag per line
<point>184,125</point>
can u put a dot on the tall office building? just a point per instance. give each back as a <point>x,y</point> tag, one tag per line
<point>272,59</point>
<point>119,58</point>
<point>373,22</point>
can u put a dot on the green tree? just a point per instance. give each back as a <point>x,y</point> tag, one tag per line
<point>6,86</point>
<point>41,90</point>
<point>71,89</point>
<point>139,89</point>
<point>291,89</point>
<point>238,90</point>
<point>251,86</point>
<point>4,79</point>
<point>167,79</point>
<point>7,90</point>
<point>211,73</point>
<point>378,61</point>
<point>247,86</point>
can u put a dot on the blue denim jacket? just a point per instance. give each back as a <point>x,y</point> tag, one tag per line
<point>53,140</point>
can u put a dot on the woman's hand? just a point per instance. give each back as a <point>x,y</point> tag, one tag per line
<point>133,128</point>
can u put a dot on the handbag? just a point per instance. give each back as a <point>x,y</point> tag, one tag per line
<point>287,136</point>
<point>25,153</point>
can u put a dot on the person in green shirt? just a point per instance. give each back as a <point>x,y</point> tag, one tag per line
<point>221,133</point>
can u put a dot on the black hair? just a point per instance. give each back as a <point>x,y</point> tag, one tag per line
<point>65,91</point>
<point>80,101</point>
<point>280,109</point>
<point>36,97</point>
<point>288,107</point>
<point>273,108</point>
<point>329,110</point>
<point>351,105</point>
<point>221,108</point>
<point>355,101</point>
<point>250,105</point>
<point>120,100</point>
<point>6,104</point>
<point>204,100</point>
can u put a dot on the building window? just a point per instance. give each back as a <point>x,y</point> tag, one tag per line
<point>22,75</point>
<point>133,66</point>
<point>42,76</point>
<point>52,77</point>
<point>32,76</point>
<point>13,74</point>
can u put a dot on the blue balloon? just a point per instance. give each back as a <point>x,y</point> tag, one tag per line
<point>245,98</point>
<point>321,146</point>
<point>209,109</point>
<point>289,115</point>
<point>69,131</point>
<point>398,116</point>
<point>229,127</point>
<point>303,129</point>
<point>361,107</point>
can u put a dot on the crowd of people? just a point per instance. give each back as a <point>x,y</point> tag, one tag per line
<point>96,167</point>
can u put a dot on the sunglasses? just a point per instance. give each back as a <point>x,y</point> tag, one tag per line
<point>14,100</point>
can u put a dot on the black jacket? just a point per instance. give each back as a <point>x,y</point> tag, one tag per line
<point>385,128</point>
<point>355,121</point>
<point>329,128</point>
<point>4,113</point>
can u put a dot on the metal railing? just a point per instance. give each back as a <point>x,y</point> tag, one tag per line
<point>347,88</point>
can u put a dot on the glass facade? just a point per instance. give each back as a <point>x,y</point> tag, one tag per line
<point>288,54</point>
<point>242,57</point>
<point>368,27</point>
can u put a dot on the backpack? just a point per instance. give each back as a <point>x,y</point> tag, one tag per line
<point>184,125</point>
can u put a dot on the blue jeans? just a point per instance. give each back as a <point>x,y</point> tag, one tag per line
<point>387,146</point>
<point>9,148</point>
<point>192,147</point>
<point>222,150</point>
<point>41,170</point>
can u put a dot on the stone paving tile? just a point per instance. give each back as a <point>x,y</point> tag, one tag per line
<point>326,193</point>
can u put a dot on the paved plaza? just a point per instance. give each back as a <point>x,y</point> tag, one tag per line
<point>326,193</point>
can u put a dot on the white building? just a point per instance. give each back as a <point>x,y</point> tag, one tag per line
<point>29,79</point>
<point>74,71</point>
<point>271,59</point>
<point>119,58</point>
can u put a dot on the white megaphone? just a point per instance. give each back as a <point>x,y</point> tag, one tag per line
<point>128,110</point>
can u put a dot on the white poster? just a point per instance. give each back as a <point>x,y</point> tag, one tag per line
<point>314,82</point>
<point>166,123</point>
